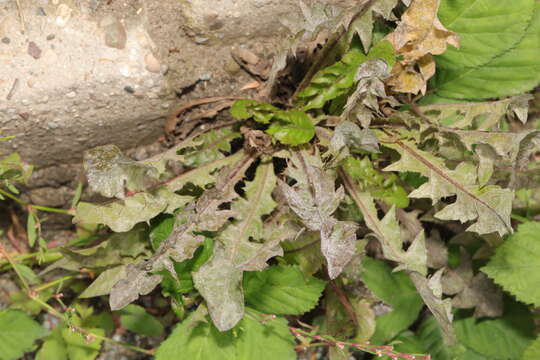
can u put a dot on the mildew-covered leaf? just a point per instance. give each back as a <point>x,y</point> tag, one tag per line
<point>477,115</point>
<point>111,174</point>
<point>204,215</point>
<point>314,199</point>
<point>245,244</point>
<point>122,215</point>
<point>489,206</point>
<point>208,147</point>
<point>138,282</point>
<point>104,283</point>
<point>472,291</point>
<point>364,101</point>
<point>430,290</point>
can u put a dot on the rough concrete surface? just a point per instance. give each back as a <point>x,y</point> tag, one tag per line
<point>75,74</point>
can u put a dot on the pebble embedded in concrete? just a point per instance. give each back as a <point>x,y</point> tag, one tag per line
<point>34,50</point>
<point>115,33</point>
<point>152,64</point>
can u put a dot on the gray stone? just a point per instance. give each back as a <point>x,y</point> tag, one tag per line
<point>73,96</point>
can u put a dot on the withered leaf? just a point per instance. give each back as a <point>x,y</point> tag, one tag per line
<point>418,36</point>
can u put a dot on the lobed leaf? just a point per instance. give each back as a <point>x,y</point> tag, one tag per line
<point>204,215</point>
<point>241,246</point>
<point>314,199</point>
<point>489,206</point>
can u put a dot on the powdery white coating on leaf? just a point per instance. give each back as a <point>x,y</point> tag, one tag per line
<point>389,234</point>
<point>370,87</point>
<point>489,206</point>
<point>314,199</point>
<point>122,215</point>
<point>126,291</point>
<point>183,242</point>
<point>104,283</point>
<point>338,245</point>
<point>220,284</point>
<point>243,245</point>
<point>110,173</point>
<point>431,292</point>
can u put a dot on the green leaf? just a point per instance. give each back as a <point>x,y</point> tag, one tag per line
<point>197,339</point>
<point>13,169</point>
<point>499,49</point>
<point>136,319</point>
<point>31,229</point>
<point>498,339</point>
<point>18,332</point>
<point>432,338</point>
<point>242,246</point>
<point>264,339</point>
<point>78,348</point>
<point>406,342</point>
<point>260,112</point>
<point>397,290</point>
<point>533,351</point>
<point>489,206</point>
<point>161,228</point>
<point>516,264</point>
<point>333,81</point>
<point>282,290</point>
<point>292,127</point>
<point>381,185</point>
<point>53,347</point>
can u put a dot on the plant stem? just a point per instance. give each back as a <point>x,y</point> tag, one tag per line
<point>37,207</point>
<point>50,256</point>
<point>12,263</point>
<point>53,283</point>
<point>59,315</point>
<point>519,218</point>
